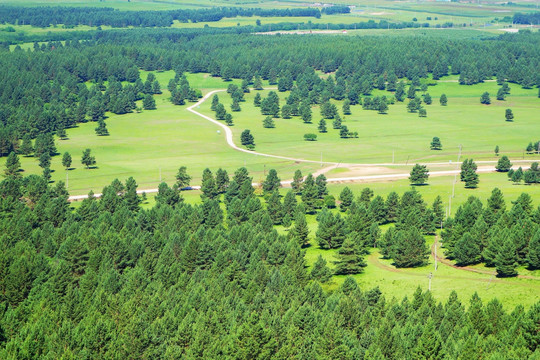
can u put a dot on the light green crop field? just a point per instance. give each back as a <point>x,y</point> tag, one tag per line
<point>464,122</point>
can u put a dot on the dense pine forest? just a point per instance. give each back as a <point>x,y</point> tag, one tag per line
<point>111,280</point>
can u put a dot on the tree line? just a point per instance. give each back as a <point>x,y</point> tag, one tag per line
<point>491,234</point>
<point>178,280</point>
<point>46,16</point>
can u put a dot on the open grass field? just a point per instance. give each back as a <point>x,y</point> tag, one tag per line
<point>140,144</point>
<point>464,122</point>
<point>152,145</point>
<point>398,283</point>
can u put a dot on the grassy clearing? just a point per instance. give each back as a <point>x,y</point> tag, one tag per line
<point>401,132</point>
<point>152,145</point>
<point>397,283</point>
<point>140,145</point>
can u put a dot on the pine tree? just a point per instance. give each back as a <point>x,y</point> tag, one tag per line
<point>496,150</point>
<point>500,94</point>
<point>517,175</point>
<point>26,147</point>
<point>419,174</point>
<point>229,122</point>
<point>310,194</point>
<point>330,231</point>
<point>506,260</point>
<point>182,178</point>
<point>509,116</point>
<point>466,250</point>
<point>533,255</point>
<point>300,230</point>
<point>215,102</point>
<point>257,84</point>
<point>322,126</point>
<point>66,160</point>
<point>235,106</point>
<point>504,164</point>
<point>47,174</point>
<point>411,249</point>
<point>247,139</point>
<point>13,165</point>
<point>275,208</point>
<point>131,199</point>
<point>297,182</point>
<point>44,160</point>
<point>208,186</point>
<point>347,107</point>
<point>485,99</point>
<point>220,112</point>
<point>443,100</point>
<point>436,144</point>
<point>269,123</point>
<point>346,198</point>
<point>438,209</point>
<point>290,203</point>
<point>349,259</point>
<point>320,182</point>
<point>149,103</point>
<point>87,159</point>
<point>320,271</point>
<point>272,182</point>
<point>61,132</point>
<point>430,344</point>
<point>222,180</point>
<point>427,99</point>
<point>101,129</point>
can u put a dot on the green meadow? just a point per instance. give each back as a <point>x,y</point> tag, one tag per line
<point>464,123</point>
<point>152,145</point>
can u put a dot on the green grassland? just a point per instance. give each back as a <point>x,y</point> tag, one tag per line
<point>403,282</point>
<point>152,145</point>
<point>477,128</point>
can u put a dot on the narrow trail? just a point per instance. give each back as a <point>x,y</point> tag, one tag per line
<point>373,259</point>
<point>447,262</point>
<point>330,165</point>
